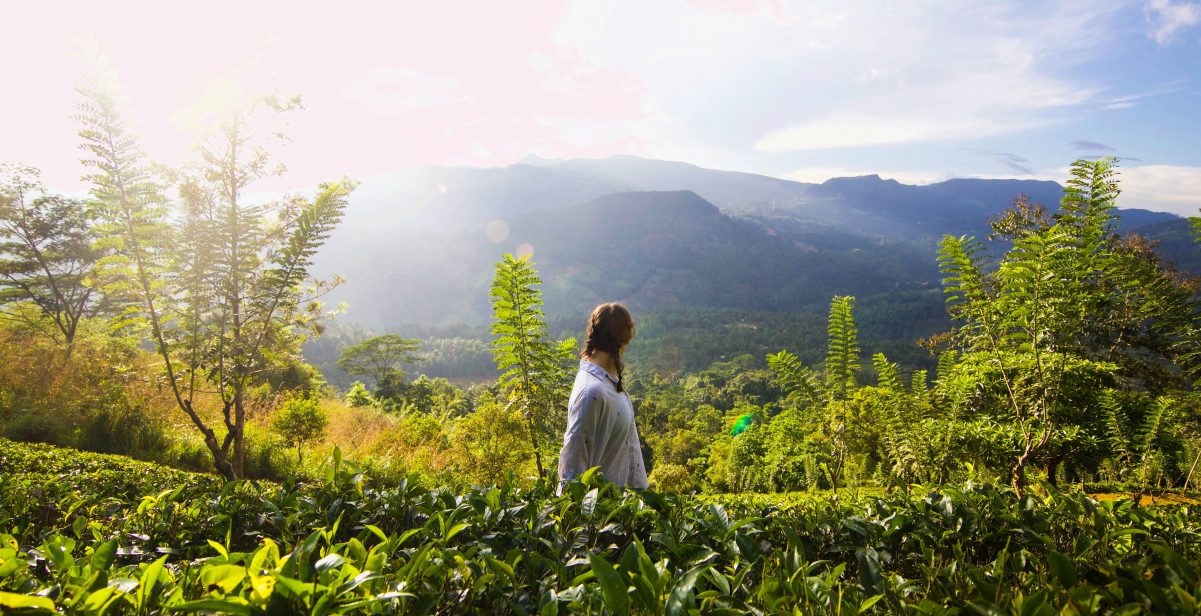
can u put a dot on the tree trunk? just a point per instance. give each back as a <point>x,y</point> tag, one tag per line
<point>1051,468</point>
<point>219,459</point>
<point>239,461</point>
<point>1188,480</point>
<point>537,451</point>
<point>1017,476</point>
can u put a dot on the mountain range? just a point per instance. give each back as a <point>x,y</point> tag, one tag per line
<point>419,246</point>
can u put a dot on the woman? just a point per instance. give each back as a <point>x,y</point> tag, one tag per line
<point>600,416</point>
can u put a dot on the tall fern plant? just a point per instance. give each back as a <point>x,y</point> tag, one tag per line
<point>1024,320</point>
<point>828,394</point>
<point>1132,439</point>
<point>534,370</point>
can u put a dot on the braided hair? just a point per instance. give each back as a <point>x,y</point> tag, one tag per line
<point>609,328</point>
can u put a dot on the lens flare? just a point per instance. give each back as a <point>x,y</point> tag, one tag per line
<point>497,231</point>
<point>743,422</point>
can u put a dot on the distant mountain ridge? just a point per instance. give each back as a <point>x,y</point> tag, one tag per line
<point>419,246</point>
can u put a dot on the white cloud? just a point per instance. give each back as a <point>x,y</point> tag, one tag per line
<point>540,62</point>
<point>1164,188</point>
<point>480,151</point>
<point>852,72</point>
<point>847,130</point>
<point>1166,18</point>
<point>389,89</point>
<point>956,80</point>
<point>849,73</point>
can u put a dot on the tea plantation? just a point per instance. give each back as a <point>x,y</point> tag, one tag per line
<point>91,534</point>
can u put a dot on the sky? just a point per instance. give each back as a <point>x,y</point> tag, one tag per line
<point>919,91</point>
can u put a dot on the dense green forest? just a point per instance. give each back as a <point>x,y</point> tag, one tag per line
<point>163,317</point>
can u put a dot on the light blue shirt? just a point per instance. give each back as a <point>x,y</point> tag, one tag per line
<point>601,431</point>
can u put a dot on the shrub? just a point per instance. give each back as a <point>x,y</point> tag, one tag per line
<point>674,478</point>
<point>491,443</point>
<point>358,396</point>
<point>267,456</point>
<point>299,421</point>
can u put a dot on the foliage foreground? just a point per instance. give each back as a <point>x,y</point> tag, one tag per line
<point>89,533</point>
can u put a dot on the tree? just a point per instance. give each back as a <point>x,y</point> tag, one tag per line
<point>48,258</point>
<point>1069,311</point>
<point>220,284</point>
<point>534,371</point>
<point>379,358</point>
<point>299,421</point>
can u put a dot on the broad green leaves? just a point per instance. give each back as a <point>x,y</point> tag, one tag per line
<point>334,547</point>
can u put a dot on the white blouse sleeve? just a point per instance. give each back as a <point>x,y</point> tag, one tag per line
<point>637,477</point>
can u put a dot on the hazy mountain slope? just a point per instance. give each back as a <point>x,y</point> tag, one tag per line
<point>653,250</point>
<point>455,198</point>
<point>419,246</point>
<point>731,191</point>
<point>1176,243</point>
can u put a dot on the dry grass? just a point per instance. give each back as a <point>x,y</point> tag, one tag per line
<point>1166,498</point>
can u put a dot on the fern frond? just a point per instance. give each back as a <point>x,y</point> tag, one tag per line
<point>887,376</point>
<point>946,363</point>
<point>795,378</point>
<point>842,356</point>
<point>918,385</point>
<point>1116,434</point>
<point>1148,431</point>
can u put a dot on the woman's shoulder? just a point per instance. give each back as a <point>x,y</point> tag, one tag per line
<point>590,386</point>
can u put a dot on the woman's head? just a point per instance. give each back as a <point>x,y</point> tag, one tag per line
<point>610,329</point>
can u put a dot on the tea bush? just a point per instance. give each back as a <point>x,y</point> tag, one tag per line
<point>90,533</point>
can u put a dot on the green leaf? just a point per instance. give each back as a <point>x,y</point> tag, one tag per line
<point>15,601</point>
<point>869,602</point>
<point>218,547</point>
<point>588,505</point>
<point>213,605</point>
<point>869,569</point>
<point>1062,567</point>
<point>677,601</point>
<point>148,582</point>
<point>224,578</point>
<point>104,555</point>
<point>613,585</point>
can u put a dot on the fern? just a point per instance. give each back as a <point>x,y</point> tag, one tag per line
<point>795,378</point>
<point>842,356</point>
<point>918,385</point>
<point>963,281</point>
<point>946,363</point>
<point>887,376</point>
<point>289,266</point>
<point>1116,435</point>
<point>532,367</point>
<point>1148,430</point>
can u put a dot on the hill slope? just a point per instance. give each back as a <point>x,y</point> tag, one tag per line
<point>419,246</point>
